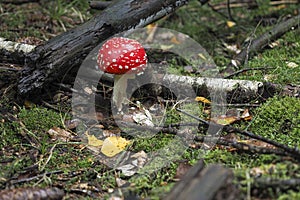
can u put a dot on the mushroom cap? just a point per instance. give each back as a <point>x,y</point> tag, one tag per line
<point>121,55</point>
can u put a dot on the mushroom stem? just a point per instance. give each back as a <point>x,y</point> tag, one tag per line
<point>119,93</point>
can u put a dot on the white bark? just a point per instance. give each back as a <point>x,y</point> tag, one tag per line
<point>15,47</point>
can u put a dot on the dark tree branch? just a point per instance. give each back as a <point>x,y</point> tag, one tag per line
<point>260,42</point>
<point>99,5</point>
<point>18,2</point>
<point>294,152</point>
<point>53,59</point>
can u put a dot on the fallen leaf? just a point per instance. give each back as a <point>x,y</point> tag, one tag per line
<point>120,182</point>
<point>150,27</point>
<point>224,120</point>
<point>246,115</point>
<point>230,24</point>
<point>28,104</point>
<point>257,143</point>
<point>59,134</point>
<point>72,124</point>
<point>166,47</point>
<point>202,56</point>
<point>291,64</point>
<point>174,40</point>
<point>143,118</point>
<point>182,169</point>
<point>114,145</point>
<point>270,77</point>
<point>93,141</point>
<point>234,48</point>
<point>274,44</point>
<point>203,100</point>
<point>134,163</point>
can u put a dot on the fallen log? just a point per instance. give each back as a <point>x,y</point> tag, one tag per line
<point>212,182</point>
<point>235,91</point>
<point>52,60</point>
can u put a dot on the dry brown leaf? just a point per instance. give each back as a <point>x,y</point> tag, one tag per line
<point>59,134</point>
<point>182,169</point>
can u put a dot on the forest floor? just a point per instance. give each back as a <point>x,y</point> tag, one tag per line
<point>40,150</point>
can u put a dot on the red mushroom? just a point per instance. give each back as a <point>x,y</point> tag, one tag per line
<point>123,57</point>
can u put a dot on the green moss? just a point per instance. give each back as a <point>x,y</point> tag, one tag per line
<point>8,134</point>
<point>151,144</point>
<point>278,119</point>
<point>291,195</point>
<point>40,119</point>
<point>154,185</point>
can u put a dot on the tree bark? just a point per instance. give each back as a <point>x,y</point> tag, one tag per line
<point>53,59</point>
<point>212,182</point>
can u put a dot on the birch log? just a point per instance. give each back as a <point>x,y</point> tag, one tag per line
<point>236,91</point>
<point>14,52</point>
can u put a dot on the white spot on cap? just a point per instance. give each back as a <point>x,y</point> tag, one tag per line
<point>114,60</point>
<point>137,60</point>
<point>125,51</point>
<point>109,52</point>
<point>131,54</point>
<point>133,69</point>
<point>120,67</point>
<point>101,55</point>
<point>108,63</point>
<point>126,67</point>
<point>106,46</point>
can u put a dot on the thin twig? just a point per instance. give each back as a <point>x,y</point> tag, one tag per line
<point>23,180</point>
<point>245,70</point>
<point>275,183</point>
<point>242,146</point>
<point>229,11</point>
<point>217,140</point>
<point>294,152</point>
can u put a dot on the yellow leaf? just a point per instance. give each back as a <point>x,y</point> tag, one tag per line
<point>203,100</point>
<point>114,145</point>
<point>174,40</point>
<point>246,115</point>
<point>230,24</point>
<point>166,47</point>
<point>93,141</point>
<point>150,27</point>
<point>28,104</point>
<point>224,120</point>
<point>202,56</point>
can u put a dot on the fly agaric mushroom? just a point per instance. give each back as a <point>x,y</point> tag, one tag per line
<point>123,57</point>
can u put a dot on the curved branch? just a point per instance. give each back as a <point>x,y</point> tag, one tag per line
<point>53,59</point>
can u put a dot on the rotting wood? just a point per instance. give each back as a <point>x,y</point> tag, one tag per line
<point>52,60</point>
<point>32,193</point>
<point>212,182</point>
